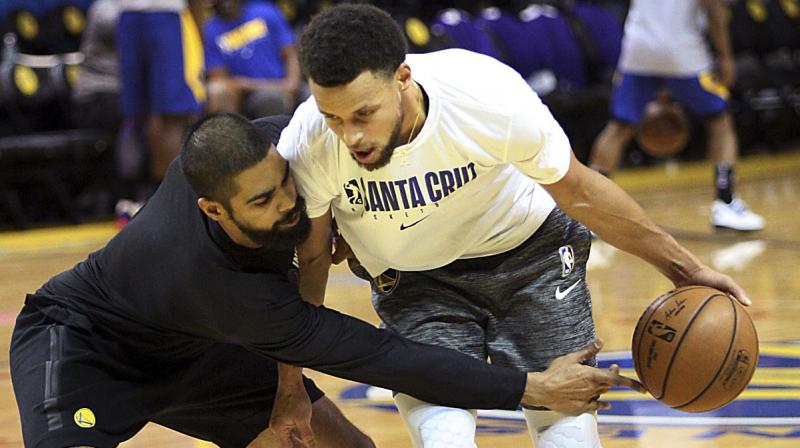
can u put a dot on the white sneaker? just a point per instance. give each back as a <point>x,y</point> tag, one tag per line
<point>125,210</point>
<point>736,216</point>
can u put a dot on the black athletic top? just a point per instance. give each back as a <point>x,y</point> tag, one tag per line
<point>172,281</point>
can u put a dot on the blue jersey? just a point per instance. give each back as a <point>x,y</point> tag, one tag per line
<point>250,46</point>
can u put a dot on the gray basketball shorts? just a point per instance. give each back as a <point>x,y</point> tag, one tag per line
<point>521,308</point>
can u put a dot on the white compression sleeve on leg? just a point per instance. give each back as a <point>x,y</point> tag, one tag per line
<point>432,426</point>
<point>550,429</point>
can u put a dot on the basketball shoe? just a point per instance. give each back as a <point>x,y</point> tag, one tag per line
<point>736,216</point>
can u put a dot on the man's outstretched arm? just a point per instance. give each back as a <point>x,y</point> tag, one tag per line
<point>295,332</point>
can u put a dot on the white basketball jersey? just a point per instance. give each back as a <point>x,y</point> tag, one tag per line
<point>665,37</point>
<point>465,187</point>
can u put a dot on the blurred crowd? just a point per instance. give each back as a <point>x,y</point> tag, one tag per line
<point>95,95</point>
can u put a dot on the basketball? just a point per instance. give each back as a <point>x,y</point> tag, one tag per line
<point>664,130</point>
<point>695,349</point>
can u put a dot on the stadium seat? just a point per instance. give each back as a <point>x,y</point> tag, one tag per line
<point>44,164</point>
<point>458,27</point>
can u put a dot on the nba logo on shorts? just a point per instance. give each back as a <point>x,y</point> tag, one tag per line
<point>567,260</point>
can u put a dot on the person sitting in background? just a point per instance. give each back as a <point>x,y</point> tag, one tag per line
<point>251,59</point>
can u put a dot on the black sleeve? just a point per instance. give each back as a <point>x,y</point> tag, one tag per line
<point>272,126</point>
<point>295,332</point>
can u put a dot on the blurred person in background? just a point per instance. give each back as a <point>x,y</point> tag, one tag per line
<point>251,60</point>
<point>162,74</point>
<point>96,104</point>
<point>664,45</point>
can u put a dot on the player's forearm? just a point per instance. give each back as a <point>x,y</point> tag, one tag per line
<point>196,9</point>
<point>289,376</point>
<point>314,278</point>
<point>345,347</point>
<point>611,213</point>
<point>314,257</point>
<point>718,28</point>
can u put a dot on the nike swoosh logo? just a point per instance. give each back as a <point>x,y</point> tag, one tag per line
<point>561,294</point>
<point>404,227</point>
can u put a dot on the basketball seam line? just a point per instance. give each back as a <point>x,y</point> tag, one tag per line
<point>755,363</point>
<point>652,308</point>
<point>645,317</point>
<point>727,353</point>
<point>733,338</point>
<point>679,343</point>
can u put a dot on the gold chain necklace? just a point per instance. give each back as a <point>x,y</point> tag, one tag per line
<point>419,111</point>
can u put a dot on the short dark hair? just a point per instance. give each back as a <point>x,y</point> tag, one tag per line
<point>343,41</point>
<point>216,149</point>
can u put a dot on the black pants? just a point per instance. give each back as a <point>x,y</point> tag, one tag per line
<point>76,387</point>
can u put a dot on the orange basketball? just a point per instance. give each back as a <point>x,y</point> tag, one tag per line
<point>664,130</point>
<point>695,349</point>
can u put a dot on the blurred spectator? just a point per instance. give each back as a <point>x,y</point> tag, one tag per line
<point>251,60</point>
<point>664,45</point>
<point>162,65</point>
<point>96,101</point>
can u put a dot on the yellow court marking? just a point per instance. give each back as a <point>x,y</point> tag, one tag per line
<point>56,238</point>
<point>748,394</point>
<point>779,350</point>
<point>686,174</point>
<point>765,376</point>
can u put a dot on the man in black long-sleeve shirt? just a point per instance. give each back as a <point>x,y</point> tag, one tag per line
<point>181,317</point>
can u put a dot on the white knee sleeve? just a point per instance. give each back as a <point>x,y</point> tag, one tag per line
<point>550,429</point>
<point>432,426</point>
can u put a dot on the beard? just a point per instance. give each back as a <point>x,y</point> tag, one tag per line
<point>278,238</point>
<point>385,153</point>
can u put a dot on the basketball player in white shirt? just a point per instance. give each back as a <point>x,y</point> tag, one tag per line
<point>453,188</point>
<point>664,46</point>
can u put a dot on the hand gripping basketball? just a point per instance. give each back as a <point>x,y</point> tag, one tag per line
<point>705,276</point>
<point>695,348</point>
<point>571,387</point>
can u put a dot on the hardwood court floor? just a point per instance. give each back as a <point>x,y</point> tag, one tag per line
<point>767,265</point>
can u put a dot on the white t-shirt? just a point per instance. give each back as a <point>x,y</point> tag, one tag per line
<point>665,37</point>
<point>465,187</point>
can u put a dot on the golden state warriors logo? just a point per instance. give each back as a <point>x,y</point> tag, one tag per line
<point>388,281</point>
<point>767,413</point>
<point>84,417</point>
